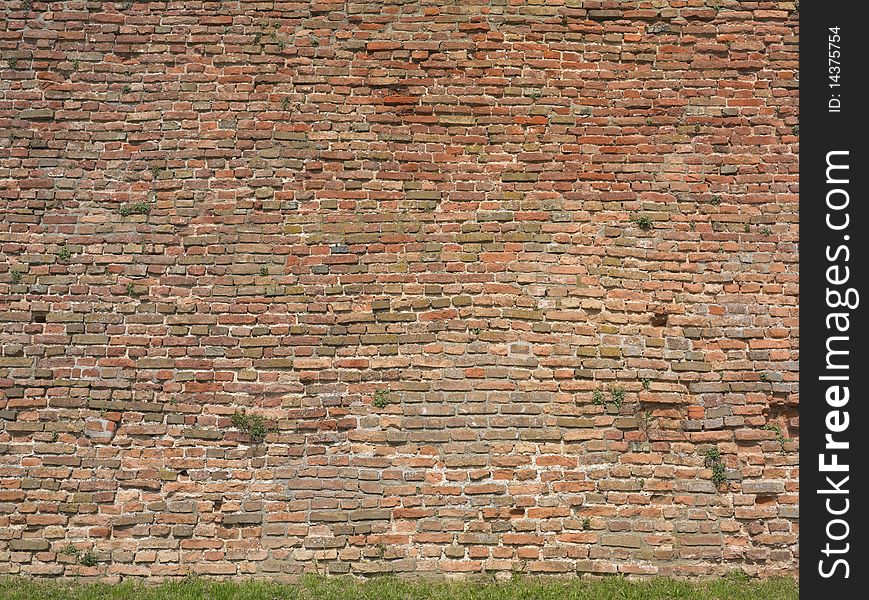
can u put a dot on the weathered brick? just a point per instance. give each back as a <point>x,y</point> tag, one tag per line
<point>354,282</point>
<point>622,540</point>
<point>750,486</point>
<point>29,545</point>
<point>243,519</point>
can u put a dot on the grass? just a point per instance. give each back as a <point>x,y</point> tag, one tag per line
<point>389,588</point>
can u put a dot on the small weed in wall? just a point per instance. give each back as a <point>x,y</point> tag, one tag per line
<point>65,253</point>
<point>712,460</point>
<point>647,383</point>
<point>264,271</point>
<point>779,435</point>
<point>88,559</point>
<point>142,208</point>
<point>617,395</point>
<point>381,398</point>
<point>15,276</point>
<point>70,550</point>
<point>586,524</point>
<point>644,223</point>
<point>255,426</point>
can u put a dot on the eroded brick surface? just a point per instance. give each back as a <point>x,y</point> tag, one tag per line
<point>497,274</point>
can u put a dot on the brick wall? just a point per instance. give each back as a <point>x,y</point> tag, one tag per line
<point>505,286</point>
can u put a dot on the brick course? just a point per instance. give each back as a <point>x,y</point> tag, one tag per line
<point>497,276</point>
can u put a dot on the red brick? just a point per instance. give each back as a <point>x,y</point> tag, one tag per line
<point>481,288</point>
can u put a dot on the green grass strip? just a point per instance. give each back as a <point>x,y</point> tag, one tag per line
<point>389,588</point>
